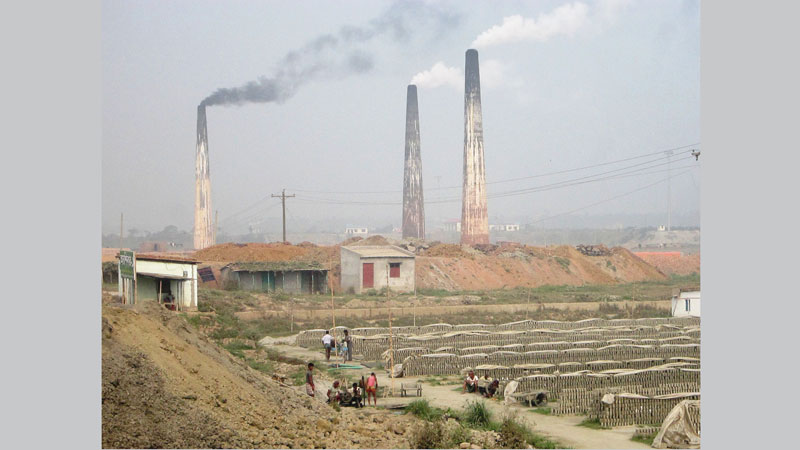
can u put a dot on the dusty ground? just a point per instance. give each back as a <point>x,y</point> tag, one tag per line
<point>165,385</point>
<point>564,429</point>
<point>672,262</point>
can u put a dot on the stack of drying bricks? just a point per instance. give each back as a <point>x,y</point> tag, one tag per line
<point>554,384</point>
<point>312,337</point>
<point>441,364</point>
<point>587,401</point>
<point>646,411</point>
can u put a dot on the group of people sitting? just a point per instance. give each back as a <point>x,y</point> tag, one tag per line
<point>340,394</point>
<point>484,386</point>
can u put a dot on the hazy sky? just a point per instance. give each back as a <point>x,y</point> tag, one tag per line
<point>564,85</point>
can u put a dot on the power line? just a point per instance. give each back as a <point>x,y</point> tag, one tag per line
<point>609,199</point>
<point>518,178</point>
<point>558,185</point>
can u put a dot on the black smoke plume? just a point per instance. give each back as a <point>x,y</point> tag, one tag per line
<point>336,55</point>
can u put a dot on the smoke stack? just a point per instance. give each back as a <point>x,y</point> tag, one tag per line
<point>203,226</point>
<point>474,216</point>
<point>413,203</point>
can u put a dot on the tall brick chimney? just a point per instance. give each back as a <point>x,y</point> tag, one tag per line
<point>203,226</point>
<point>474,215</point>
<point>413,202</point>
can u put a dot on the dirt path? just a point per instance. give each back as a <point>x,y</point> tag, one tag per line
<point>564,429</point>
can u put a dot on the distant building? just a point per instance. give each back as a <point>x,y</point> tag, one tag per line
<point>376,267</point>
<point>291,277</point>
<point>686,303</point>
<point>453,225</point>
<point>504,227</point>
<point>165,277</point>
<point>159,246</point>
<point>356,231</point>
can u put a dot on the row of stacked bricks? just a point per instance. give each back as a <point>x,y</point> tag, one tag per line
<point>310,338</point>
<point>639,411</point>
<point>648,378</point>
<point>520,370</point>
<point>587,401</point>
<point>373,347</point>
<point>444,364</point>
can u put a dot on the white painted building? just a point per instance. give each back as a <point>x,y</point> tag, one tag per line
<point>165,277</point>
<point>504,227</point>
<point>356,231</point>
<point>375,267</point>
<point>686,303</point>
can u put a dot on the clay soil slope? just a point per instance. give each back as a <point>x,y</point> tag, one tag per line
<point>166,386</point>
<point>671,263</point>
<point>459,268</point>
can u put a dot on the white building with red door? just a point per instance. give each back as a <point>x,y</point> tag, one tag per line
<point>375,267</point>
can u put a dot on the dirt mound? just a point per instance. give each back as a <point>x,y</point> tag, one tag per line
<point>671,263</point>
<point>372,240</point>
<point>165,385</point>
<point>511,265</point>
<point>446,250</point>
<point>250,252</point>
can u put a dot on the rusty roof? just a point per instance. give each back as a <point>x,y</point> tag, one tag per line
<point>164,258</point>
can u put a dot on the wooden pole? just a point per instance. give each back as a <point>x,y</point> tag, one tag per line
<point>159,292</point>
<point>528,306</point>
<point>414,306</point>
<point>333,307</point>
<point>391,334</point>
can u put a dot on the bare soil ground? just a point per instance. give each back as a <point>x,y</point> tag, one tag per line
<point>167,386</point>
<point>672,262</point>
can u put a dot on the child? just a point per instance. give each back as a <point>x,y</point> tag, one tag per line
<point>344,352</point>
<point>357,396</point>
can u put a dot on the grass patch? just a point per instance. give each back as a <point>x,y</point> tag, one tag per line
<point>593,423</point>
<point>267,367</point>
<point>545,410</point>
<point>236,348</point>
<point>298,376</point>
<point>646,439</point>
<point>477,414</point>
<point>422,409</point>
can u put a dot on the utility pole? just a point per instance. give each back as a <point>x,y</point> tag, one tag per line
<point>283,198</point>
<point>669,190</point>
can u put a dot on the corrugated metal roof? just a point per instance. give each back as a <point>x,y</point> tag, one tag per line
<point>165,258</point>
<point>380,251</point>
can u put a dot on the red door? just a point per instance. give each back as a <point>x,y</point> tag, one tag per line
<point>369,275</point>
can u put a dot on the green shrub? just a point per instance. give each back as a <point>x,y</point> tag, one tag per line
<point>477,414</point>
<point>437,434</point>
<point>516,435</point>
<point>422,409</point>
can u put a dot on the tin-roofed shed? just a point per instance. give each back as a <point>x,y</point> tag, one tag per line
<point>291,277</point>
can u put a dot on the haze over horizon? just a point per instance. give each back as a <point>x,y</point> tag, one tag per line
<point>600,86</point>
